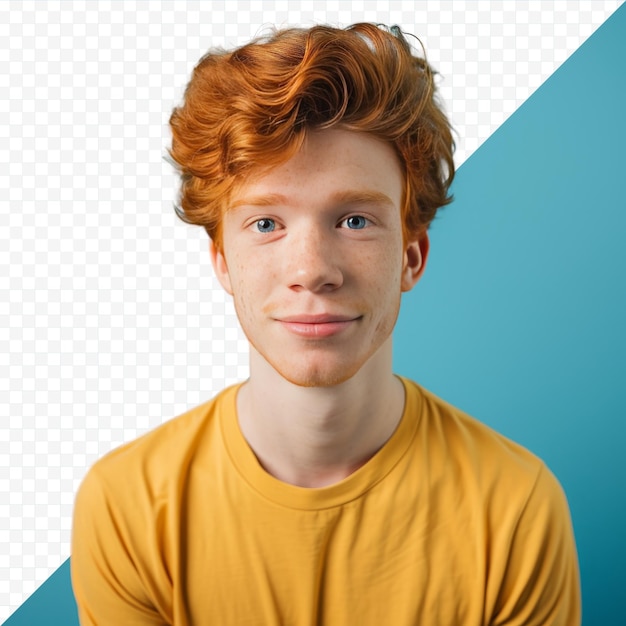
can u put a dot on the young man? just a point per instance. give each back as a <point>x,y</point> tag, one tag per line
<point>324,489</point>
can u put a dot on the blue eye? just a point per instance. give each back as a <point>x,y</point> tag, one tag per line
<point>355,222</point>
<point>265,225</point>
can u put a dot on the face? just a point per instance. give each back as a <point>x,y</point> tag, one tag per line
<point>314,257</point>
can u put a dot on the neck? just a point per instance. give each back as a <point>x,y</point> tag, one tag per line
<point>316,436</point>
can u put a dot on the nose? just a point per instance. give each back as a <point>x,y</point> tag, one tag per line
<point>314,261</point>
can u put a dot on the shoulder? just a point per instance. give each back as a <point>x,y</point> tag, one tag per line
<point>151,464</point>
<point>482,468</point>
<point>464,439</point>
<point>127,515</point>
<point>129,506</point>
<point>513,502</point>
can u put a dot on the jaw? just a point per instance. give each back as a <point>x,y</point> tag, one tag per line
<point>322,366</point>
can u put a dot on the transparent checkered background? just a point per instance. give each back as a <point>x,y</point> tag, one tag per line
<point>110,319</point>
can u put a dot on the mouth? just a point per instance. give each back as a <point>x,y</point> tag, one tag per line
<point>317,326</point>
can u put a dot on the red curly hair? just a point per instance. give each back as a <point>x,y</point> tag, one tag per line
<point>249,109</point>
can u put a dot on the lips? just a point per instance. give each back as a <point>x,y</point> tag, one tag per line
<point>321,318</point>
<point>317,326</point>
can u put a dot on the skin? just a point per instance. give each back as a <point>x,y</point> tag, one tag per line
<point>314,257</point>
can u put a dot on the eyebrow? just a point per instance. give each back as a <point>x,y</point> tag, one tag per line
<point>344,197</point>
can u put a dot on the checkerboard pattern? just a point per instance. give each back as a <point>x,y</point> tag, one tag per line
<point>110,319</point>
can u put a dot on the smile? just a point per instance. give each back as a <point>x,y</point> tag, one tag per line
<point>317,326</point>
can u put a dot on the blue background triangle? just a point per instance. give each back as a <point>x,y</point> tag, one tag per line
<point>520,318</point>
<point>51,605</point>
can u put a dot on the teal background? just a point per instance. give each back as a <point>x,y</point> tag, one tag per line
<point>51,605</point>
<point>520,317</point>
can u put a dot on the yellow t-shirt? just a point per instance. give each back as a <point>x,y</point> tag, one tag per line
<point>448,524</point>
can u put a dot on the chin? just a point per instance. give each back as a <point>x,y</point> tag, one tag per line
<point>317,376</point>
<point>315,368</point>
<point>316,380</point>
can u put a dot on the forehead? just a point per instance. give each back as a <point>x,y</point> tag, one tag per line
<point>332,166</point>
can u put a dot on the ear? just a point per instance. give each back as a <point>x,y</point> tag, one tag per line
<point>415,255</point>
<point>220,267</point>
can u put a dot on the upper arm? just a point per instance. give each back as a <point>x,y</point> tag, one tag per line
<point>110,583</point>
<point>541,584</point>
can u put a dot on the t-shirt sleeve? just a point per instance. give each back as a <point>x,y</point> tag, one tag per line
<point>110,586</point>
<point>541,583</point>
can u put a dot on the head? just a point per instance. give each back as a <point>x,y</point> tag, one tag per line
<point>249,110</point>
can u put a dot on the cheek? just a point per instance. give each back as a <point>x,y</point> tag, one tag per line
<point>251,281</point>
<point>387,292</point>
<point>238,282</point>
<point>387,272</point>
<point>241,296</point>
